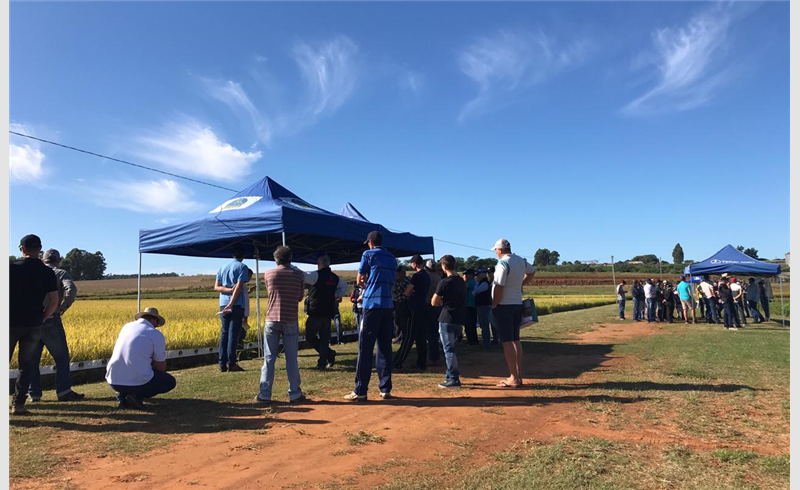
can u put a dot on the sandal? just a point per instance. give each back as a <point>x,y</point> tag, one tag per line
<point>506,384</point>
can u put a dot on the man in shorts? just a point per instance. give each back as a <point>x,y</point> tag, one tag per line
<point>510,273</point>
<point>685,294</point>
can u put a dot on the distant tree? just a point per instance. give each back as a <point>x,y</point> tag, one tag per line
<point>542,257</point>
<point>12,258</point>
<point>566,263</point>
<point>751,252</point>
<point>84,266</point>
<point>577,262</point>
<point>740,248</point>
<point>553,258</point>
<point>647,259</point>
<point>677,254</point>
<point>460,264</point>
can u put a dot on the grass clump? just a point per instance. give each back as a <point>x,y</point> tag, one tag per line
<point>362,438</point>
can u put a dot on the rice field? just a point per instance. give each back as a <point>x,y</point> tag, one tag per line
<point>92,326</point>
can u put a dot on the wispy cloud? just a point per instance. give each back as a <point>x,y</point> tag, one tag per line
<point>153,196</point>
<point>25,159</point>
<point>194,149</point>
<point>511,62</point>
<point>411,81</point>
<point>232,94</point>
<point>689,64</point>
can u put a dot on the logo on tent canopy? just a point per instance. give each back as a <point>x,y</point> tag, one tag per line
<point>298,203</point>
<point>718,261</point>
<point>236,203</point>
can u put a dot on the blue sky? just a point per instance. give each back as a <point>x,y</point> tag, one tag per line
<point>589,128</point>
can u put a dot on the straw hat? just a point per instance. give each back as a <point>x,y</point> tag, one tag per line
<point>151,312</point>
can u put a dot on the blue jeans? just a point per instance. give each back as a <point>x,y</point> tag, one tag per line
<point>161,382</point>
<point>730,314</point>
<point>711,311</point>
<point>273,331</point>
<point>54,338</point>
<point>621,303</point>
<point>754,311</point>
<point>378,327</point>
<point>229,337</point>
<point>485,319</point>
<point>448,333</point>
<point>651,309</point>
<point>337,320</point>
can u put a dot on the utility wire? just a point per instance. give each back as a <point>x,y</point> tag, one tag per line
<point>182,177</point>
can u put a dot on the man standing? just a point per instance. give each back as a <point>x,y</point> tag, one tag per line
<point>376,274</point>
<point>650,300</point>
<point>284,286</point>
<point>433,318</point>
<point>232,277</point>
<point>766,294</point>
<point>471,318</point>
<point>417,327</point>
<point>138,366</point>
<point>53,336</point>
<point>621,299</point>
<point>738,300</point>
<point>31,283</point>
<point>402,313</point>
<point>483,304</point>
<point>509,274</point>
<point>707,288</point>
<point>726,300</point>
<point>753,295</point>
<point>451,296</point>
<point>685,295</point>
<point>325,288</point>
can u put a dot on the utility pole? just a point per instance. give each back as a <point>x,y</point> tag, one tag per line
<point>660,270</point>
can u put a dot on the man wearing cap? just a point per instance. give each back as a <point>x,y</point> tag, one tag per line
<point>738,300</point>
<point>417,330</point>
<point>685,295</point>
<point>434,312</point>
<point>726,300</point>
<point>232,283</point>
<point>54,337</point>
<point>138,366</point>
<point>471,312</point>
<point>510,273</point>
<point>376,274</point>
<point>33,299</point>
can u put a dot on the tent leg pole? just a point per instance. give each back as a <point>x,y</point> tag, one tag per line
<point>139,286</point>
<point>783,316</point>
<point>283,235</point>
<point>259,340</point>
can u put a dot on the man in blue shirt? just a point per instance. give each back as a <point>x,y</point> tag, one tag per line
<point>231,283</point>
<point>685,293</point>
<point>376,275</point>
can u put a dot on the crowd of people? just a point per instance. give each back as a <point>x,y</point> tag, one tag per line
<point>726,301</point>
<point>433,309</point>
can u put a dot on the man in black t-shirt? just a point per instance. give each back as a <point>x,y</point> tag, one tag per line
<point>30,283</point>
<point>417,326</point>
<point>451,295</point>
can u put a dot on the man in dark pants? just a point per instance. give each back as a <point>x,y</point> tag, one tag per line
<point>765,297</point>
<point>231,282</point>
<point>707,288</point>
<point>376,274</point>
<point>726,300</point>
<point>402,313</point>
<point>433,314</point>
<point>31,283</point>
<point>54,337</point>
<point>416,332</point>
<point>138,366</point>
<point>325,288</point>
<point>471,312</point>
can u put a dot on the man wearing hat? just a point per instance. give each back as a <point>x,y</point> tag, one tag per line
<point>376,274</point>
<point>471,314</point>
<point>685,293</point>
<point>31,284</point>
<point>53,336</point>
<point>138,367</point>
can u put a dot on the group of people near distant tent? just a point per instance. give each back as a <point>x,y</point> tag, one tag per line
<point>721,302</point>
<point>430,309</point>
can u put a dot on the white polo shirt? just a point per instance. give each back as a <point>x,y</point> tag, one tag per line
<point>510,273</point>
<point>138,345</point>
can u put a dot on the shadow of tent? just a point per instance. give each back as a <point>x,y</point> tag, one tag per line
<point>493,401</point>
<point>644,386</point>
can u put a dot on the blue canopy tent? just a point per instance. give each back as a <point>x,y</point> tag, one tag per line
<point>351,212</point>
<point>731,261</point>
<point>265,216</point>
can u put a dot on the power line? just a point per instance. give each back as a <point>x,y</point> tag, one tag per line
<point>144,167</point>
<point>123,161</point>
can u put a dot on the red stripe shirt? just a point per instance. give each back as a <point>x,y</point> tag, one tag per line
<point>284,290</point>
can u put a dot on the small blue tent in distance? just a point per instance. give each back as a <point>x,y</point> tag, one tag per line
<point>351,212</point>
<point>731,261</point>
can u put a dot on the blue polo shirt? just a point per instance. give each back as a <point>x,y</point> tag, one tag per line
<point>684,291</point>
<point>228,276</point>
<point>382,268</point>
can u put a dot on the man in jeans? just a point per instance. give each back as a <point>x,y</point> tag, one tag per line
<point>650,300</point>
<point>621,299</point>
<point>510,273</point>
<point>376,275</point>
<point>53,336</point>
<point>232,281</point>
<point>707,288</point>
<point>138,366</point>
<point>483,305</point>
<point>284,286</point>
<point>753,295</point>
<point>30,284</point>
<point>325,288</point>
<point>451,296</point>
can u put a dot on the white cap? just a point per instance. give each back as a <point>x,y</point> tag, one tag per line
<point>502,244</point>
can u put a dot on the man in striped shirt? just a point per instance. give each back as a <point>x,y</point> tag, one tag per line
<point>284,286</point>
<point>377,275</point>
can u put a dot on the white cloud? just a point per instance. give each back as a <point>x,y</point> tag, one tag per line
<point>510,62</point>
<point>195,149</point>
<point>233,95</point>
<point>688,63</point>
<point>411,81</point>
<point>25,159</point>
<point>153,196</point>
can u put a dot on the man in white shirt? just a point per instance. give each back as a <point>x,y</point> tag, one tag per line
<point>509,275</point>
<point>711,303</point>
<point>137,369</point>
<point>650,300</point>
<point>738,300</point>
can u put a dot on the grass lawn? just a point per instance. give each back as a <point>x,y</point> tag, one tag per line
<point>687,407</point>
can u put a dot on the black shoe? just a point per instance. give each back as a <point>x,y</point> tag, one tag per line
<point>223,369</point>
<point>71,397</point>
<point>234,368</point>
<point>300,399</point>
<point>332,359</point>
<point>450,384</point>
<point>134,402</point>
